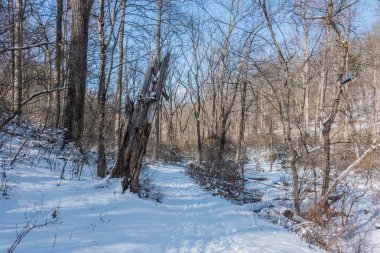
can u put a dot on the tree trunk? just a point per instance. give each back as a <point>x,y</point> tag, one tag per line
<point>306,81</point>
<point>330,119</point>
<point>18,55</point>
<point>102,162</point>
<point>11,28</point>
<point>170,127</point>
<point>222,137</point>
<point>119,89</point>
<point>374,94</point>
<point>197,114</point>
<point>215,125</point>
<point>77,70</point>
<point>199,137</point>
<point>293,166</point>
<point>158,45</point>
<point>58,61</point>
<point>241,123</point>
<point>327,124</point>
<point>137,133</point>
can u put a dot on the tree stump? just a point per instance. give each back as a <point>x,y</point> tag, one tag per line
<point>140,118</point>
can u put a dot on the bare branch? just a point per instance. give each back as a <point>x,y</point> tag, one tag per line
<point>11,49</point>
<point>18,112</point>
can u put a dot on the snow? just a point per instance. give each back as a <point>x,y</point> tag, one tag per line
<point>97,219</point>
<point>94,216</point>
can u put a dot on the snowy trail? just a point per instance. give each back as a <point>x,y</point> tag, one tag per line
<point>95,217</point>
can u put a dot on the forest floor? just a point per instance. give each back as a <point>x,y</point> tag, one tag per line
<point>48,213</point>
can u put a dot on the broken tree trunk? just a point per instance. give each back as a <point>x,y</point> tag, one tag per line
<point>136,135</point>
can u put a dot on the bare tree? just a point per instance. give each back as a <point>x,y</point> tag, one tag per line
<point>104,42</point>
<point>328,120</point>
<point>199,77</point>
<point>284,103</point>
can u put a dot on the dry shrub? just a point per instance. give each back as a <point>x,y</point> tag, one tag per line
<point>166,153</point>
<point>224,181</point>
<point>222,178</point>
<point>149,190</point>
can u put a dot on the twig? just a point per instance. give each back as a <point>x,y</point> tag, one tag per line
<point>18,152</point>
<point>28,228</point>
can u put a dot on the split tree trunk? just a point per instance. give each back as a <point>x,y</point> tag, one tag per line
<point>136,135</point>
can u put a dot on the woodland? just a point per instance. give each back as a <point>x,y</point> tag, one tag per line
<point>250,97</point>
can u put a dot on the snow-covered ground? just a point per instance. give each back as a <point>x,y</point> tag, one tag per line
<point>93,216</point>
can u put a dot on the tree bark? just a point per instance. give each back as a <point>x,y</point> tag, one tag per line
<point>77,70</point>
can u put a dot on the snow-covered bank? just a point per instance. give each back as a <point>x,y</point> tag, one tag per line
<point>354,227</point>
<point>95,217</point>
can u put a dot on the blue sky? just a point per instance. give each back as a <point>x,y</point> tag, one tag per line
<point>369,11</point>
